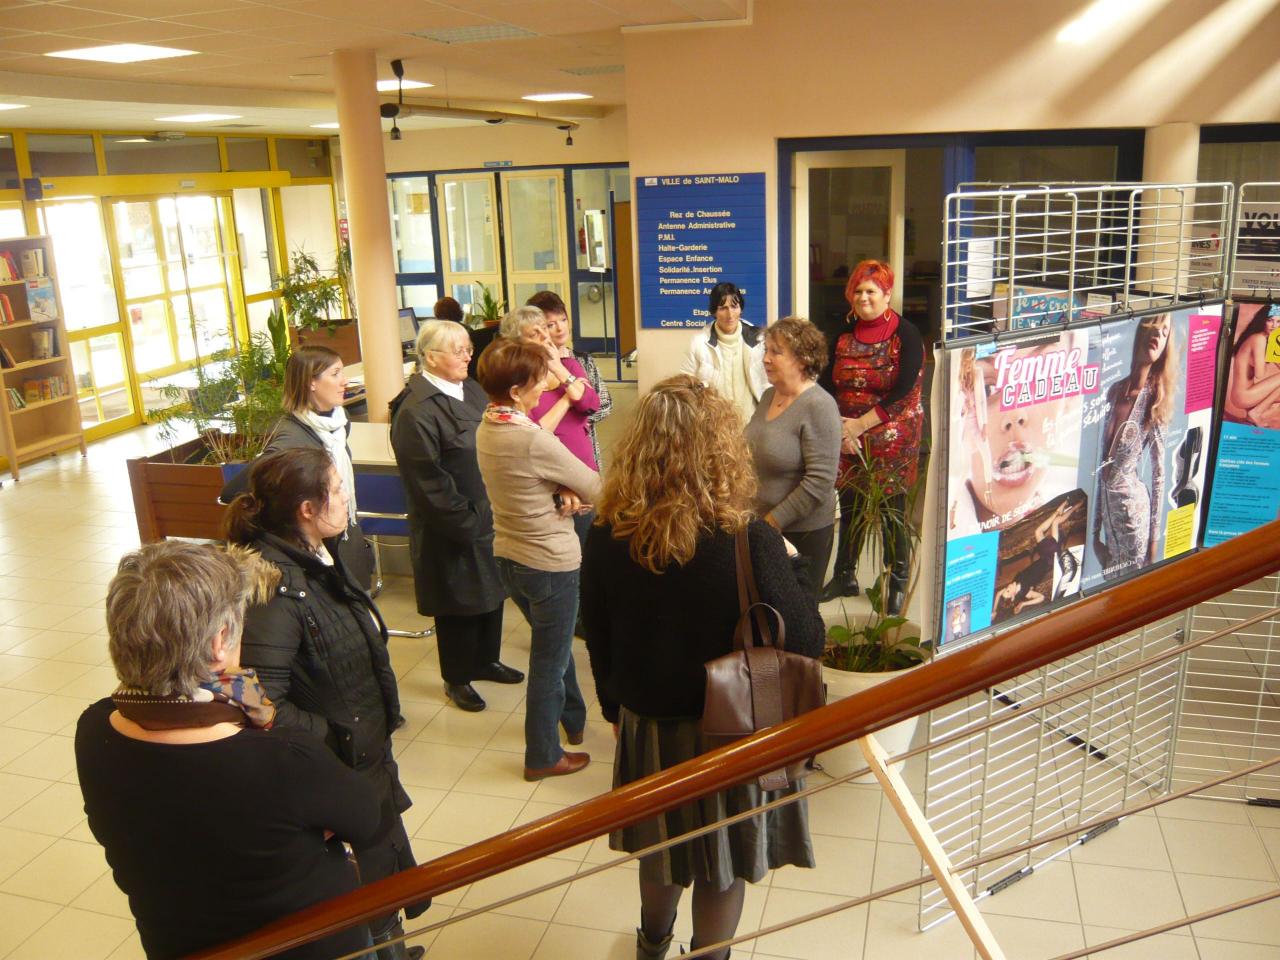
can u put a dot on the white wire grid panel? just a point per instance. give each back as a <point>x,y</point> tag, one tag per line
<point>1026,255</point>
<point>1231,702</point>
<point>1255,256</point>
<point>1040,771</point>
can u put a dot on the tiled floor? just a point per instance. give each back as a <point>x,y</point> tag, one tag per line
<point>64,526</point>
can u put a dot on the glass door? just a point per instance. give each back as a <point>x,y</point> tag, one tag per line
<point>534,222</point>
<point>96,332</point>
<point>468,213</point>
<point>849,206</point>
<point>177,266</point>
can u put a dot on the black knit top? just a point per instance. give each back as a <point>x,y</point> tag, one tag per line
<point>649,634</point>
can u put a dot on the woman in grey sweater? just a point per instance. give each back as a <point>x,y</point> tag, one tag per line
<point>794,437</point>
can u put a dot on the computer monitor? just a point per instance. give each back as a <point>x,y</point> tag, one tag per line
<point>408,327</point>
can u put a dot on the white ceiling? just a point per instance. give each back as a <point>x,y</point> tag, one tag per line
<point>269,60</point>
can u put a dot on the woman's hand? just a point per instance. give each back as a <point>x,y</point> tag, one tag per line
<point>570,503</point>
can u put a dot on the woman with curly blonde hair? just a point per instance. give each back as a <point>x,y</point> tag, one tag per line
<point>659,599</point>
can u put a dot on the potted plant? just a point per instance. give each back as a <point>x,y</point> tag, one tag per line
<point>863,652</point>
<point>233,409</point>
<point>313,299</point>
<point>486,310</point>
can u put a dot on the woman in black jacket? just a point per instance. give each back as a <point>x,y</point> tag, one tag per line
<point>319,645</point>
<point>315,385</point>
<point>659,599</point>
<point>433,432</point>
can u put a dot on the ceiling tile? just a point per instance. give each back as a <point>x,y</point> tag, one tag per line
<point>139,31</point>
<point>160,8</point>
<point>42,43</point>
<point>51,17</point>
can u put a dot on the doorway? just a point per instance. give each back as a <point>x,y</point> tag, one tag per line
<point>180,278</point>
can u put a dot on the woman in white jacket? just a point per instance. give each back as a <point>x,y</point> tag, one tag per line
<point>728,354</point>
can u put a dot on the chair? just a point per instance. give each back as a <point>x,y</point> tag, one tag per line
<point>382,511</point>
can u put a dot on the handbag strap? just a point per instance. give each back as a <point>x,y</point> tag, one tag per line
<point>750,606</point>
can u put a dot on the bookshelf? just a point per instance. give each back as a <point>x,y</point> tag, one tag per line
<point>39,414</point>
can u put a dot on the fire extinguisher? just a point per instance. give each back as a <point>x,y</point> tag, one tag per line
<point>582,227</point>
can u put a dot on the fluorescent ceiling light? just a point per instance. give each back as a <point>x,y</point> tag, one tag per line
<point>324,126</point>
<point>199,118</point>
<point>391,86</point>
<point>132,140</point>
<point>121,53</point>
<point>13,106</point>
<point>555,97</point>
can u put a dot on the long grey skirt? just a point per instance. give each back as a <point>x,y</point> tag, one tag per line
<point>748,849</point>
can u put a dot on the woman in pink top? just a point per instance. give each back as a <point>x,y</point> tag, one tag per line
<point>569,399</point>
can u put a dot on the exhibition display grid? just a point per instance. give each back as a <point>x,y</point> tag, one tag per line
<point>1091,358</point>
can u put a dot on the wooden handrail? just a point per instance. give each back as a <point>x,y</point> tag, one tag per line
<point>1095,619</point>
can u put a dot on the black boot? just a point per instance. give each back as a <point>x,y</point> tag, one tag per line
<point>396,951</point>
<point>843,583</point>
<point>647,949</point>
<point>897,598</point>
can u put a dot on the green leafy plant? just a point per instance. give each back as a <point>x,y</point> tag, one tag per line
<point>876,645</point>
<point>487,308</point>
<point>310,294</point>
<point>237,400</point>
<point>346,278</point>
<point>882,520</point>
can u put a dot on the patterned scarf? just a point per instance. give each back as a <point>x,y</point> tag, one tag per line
<point>503,413</point>
<point>232,697</point>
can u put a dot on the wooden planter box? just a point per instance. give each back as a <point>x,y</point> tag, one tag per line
<point>173,498</point>
<point>344,338</point>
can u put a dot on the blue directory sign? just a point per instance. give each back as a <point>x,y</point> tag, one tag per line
<point>695,232</point>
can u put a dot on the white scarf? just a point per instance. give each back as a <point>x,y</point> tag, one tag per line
<point>332,431</point>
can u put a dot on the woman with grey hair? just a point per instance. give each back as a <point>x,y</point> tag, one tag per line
<point>568,400</point>
<point>433,433</point>
<point>213,827</point>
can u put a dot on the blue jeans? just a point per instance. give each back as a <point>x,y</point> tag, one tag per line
<point>549,601</point>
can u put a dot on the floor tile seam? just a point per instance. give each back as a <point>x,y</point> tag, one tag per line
<point>54,918</point>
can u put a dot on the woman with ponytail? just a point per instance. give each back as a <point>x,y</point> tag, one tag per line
<point>319,645</point>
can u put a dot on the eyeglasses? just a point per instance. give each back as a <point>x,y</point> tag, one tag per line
<point>462,353</point>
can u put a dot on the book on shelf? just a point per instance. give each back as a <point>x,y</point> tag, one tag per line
<point>6,357</point>
<point>16,400</point>
<point>32,263</point>
<point>41,344</point>
<point>8,267</point>
<point>42,301</point>
<point>6,310</point>
<point>44,388</point>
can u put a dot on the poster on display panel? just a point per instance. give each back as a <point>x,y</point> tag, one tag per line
<point>1076,457</point>
<point>1246,480</point>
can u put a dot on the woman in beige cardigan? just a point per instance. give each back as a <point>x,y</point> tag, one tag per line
<point>536,486</point>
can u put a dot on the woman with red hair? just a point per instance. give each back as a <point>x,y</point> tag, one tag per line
<point>875,375</point>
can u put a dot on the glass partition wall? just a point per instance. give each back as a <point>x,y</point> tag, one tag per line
<point>154,282</point>
<point>513,232</point>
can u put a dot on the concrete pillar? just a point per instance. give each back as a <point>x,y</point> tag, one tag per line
<point>1171,155</point>
<point>364,180</point>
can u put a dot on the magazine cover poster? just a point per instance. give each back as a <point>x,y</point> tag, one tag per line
<point>1145,439</point>
<point>1040,558</point>
<point>1014,447</point>
<point>1246,479</point>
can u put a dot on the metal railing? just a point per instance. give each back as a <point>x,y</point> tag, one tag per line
<point>974,671</point>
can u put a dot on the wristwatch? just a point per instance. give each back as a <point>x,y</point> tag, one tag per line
<point>570,380</point>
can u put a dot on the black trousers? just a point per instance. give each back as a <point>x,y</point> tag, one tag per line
<point>849,551</point>
<point>467,642</point>
<point>814,547</point>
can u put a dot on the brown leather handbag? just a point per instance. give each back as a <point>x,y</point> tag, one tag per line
<point>760,684</point>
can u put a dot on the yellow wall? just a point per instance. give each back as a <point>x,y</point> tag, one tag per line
<point>717,100</point>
